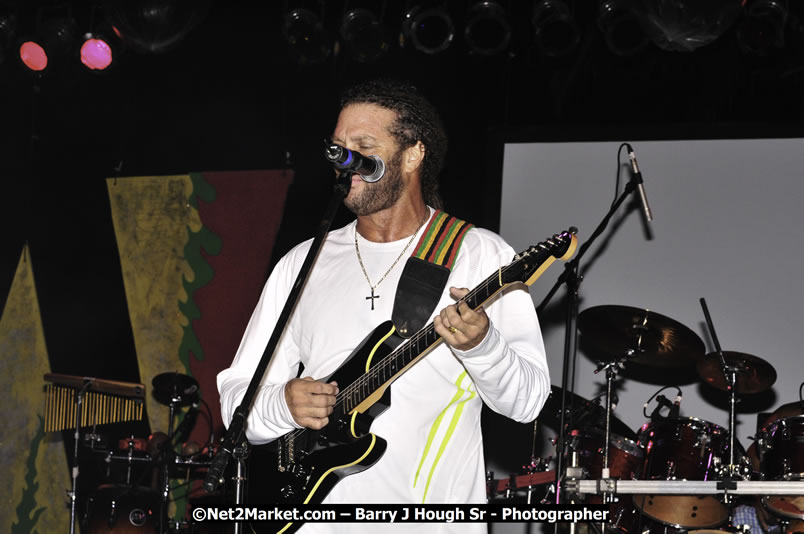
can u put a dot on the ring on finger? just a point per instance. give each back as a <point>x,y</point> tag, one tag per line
<point>452,329</point>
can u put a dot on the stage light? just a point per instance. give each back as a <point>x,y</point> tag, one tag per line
<point>620,27</point>
<point>305,34</point>
<point>487,31</point>
<point>96,52</point>
<point>364,37</point>
<point>154,26</point>
<point>684,26</point>
<point>762,27</point>
<point>54,40</point>
<point>430,30</point>
<point>33,56</point>
<point>554,29</point>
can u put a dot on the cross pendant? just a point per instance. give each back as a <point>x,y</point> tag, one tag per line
<point>372,297</point>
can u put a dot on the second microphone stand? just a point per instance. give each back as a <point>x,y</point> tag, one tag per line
<point>571,278</point>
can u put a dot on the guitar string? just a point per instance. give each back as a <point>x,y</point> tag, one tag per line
<point>422,334</point>
<point>374,371</point>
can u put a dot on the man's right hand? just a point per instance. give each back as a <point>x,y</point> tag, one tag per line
<point>310,401</point>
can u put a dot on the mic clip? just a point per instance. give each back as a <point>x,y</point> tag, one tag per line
<point>662,402</point>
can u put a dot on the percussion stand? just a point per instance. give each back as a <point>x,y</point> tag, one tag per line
<point>611,368</point>
<point>79,396</point>
<point>166,455</point>
<point>731,471</point>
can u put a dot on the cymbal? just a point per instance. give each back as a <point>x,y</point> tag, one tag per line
<point>175,389</point>
<point>756,375</point>
<point>647,337</point>
<point>586,414</point>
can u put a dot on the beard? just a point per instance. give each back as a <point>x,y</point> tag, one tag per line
<point>381,194</point>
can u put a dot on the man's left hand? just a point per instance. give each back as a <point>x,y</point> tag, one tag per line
<point>461,327</point>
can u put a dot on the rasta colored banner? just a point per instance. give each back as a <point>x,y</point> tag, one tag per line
<point>34,498</point>
<point>195,251</point>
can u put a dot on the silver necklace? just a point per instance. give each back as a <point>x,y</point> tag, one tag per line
<point>391,268</point>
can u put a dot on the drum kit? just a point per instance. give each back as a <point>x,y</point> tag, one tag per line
<point>141,473</point>
<point>667,447</point>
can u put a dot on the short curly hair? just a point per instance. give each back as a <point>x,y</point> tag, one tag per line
<point>416,120</point>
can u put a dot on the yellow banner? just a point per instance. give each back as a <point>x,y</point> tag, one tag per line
<point>34,499</point>
<point>153,220</point>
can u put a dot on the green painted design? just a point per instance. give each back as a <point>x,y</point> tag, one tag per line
<point>200,189</point>
<point>27,512</point>
<point>211,243</point>
<point>204,273</point>
<point>434,429</point>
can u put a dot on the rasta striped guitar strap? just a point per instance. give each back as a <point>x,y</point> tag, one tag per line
<point>426,272</point>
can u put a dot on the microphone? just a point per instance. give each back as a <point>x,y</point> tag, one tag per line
<point>187,424</point>
<point>637,177</point>
<point>674,410</point>
<point>370,168</point>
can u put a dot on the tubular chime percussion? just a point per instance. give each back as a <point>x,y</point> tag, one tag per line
<point>105,401</point>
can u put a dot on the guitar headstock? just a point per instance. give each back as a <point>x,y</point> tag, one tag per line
<point>529,264</point>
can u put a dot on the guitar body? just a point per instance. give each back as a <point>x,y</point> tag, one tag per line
<point>313,478</point>
<point>344,447</point>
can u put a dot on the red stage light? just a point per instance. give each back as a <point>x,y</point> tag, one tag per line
<point>33,56</point>
<point>96,54</point>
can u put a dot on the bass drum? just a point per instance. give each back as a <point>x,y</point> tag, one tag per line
<point>121,509</point>
<point>781,447</point>
<point>684,448</point>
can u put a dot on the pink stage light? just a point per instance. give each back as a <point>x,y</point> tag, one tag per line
<point>96,54</point>
<point>33,56</point>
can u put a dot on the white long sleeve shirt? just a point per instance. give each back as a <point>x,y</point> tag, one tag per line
<point>435,450</point>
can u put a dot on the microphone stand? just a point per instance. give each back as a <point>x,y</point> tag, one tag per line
<point>570,277</point>
<point>234,439</point>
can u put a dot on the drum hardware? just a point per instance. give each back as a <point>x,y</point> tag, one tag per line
<point>687,487</point>
<point>72,402</point>
<point>174,389</point>
<point>747,373</point>
<point>122,508</point>
<point>611,367</point>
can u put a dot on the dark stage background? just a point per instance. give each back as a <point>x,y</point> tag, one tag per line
<point>228,96</point>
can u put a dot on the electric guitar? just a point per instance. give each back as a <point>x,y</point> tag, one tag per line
<point>310,462</point>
